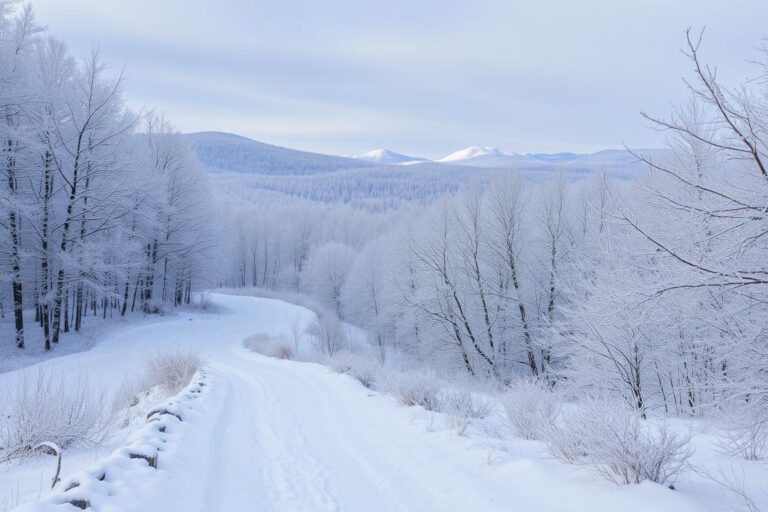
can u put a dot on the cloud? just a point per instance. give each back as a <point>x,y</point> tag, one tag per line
<point>421,77</point>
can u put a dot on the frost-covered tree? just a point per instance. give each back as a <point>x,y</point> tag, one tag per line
<point>325,273</point>
<point>95,206</point>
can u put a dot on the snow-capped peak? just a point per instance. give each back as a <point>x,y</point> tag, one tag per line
<point>385,156</point>
<point>473,152</point>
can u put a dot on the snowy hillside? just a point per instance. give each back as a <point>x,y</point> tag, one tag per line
<point>616,162</point>
<point>249,172</point>
<point>228,152</point>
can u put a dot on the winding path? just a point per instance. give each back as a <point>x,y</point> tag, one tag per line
<point>275,435</point>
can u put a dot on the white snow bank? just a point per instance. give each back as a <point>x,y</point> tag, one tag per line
<point>123,474</point>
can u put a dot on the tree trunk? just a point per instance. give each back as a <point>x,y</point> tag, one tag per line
<point>67,319</point>
<point>44,263</point>
<point>78,306</point>
<point>135,292</point>
<point>125,297</point>
<point>527,341</point>
<point>13,225</point>
<point>60,278</point>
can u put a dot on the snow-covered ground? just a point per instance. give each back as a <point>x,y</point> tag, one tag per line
<point>289,436</point>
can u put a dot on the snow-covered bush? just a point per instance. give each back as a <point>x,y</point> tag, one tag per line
<point>619,444</point>
<point>130,400</point>
<point>414,387</point>
<point>365,369</point>
<point>270,346</point>
<point>328,334</point>
<point>38,407</point>
<point>531,408</point>
<point>128,393</point>
<point>325,271</point>
<point>172,370</point>
<point>744,431</point>
<point>462,403</point>
<point>204,303</point>
<point>165,374</point>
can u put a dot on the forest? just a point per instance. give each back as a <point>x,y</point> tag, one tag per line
<point>649,289</point>
<point>597,306</point>
<point>104,211</point>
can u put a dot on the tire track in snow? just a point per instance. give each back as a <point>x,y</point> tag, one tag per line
<point>259,464</point>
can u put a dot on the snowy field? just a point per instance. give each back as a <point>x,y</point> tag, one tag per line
<point>281,435</point>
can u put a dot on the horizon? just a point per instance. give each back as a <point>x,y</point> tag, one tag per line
<point>419,156</point>
<point>425,79</point>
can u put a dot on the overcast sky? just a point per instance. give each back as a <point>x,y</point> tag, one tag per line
<point>423,77</point>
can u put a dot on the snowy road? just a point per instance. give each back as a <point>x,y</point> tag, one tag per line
<point>278,435</point>
<point>294,436</point>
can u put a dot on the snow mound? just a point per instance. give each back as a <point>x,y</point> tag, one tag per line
<point>129,468</point>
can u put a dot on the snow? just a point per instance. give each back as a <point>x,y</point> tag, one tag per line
<point>247,172</point>
<point>385,156</point>
<point>473,152</point>
<point>93,330</point>
<point>220,152</point>
<point>619,162</point>
<point>278,435</point>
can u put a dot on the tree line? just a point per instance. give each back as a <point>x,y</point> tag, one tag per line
<point>103,210</point>
<point>650,289</point>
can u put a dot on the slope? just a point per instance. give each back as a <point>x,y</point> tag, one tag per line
<point>227,152</point>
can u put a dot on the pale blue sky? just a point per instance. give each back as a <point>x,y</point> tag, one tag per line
<point>420,77</point>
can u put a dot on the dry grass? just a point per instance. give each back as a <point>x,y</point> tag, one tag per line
<point>164,375</point>
<point>367,370</point>
<point>172,370</point>
<point>39,407</point>
<point>531,408</point>
<point>415,388</point>
<point>270,346</point>
<point>619,444</point>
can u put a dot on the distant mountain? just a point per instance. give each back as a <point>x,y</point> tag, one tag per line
<point>225,152</point>
<point>554,157</point>
<point>489,156</point>
<point>473,152</point>
<point>615,161</point>
<point>610,158</point>
<point>385,156</point>
<point>248,172</point>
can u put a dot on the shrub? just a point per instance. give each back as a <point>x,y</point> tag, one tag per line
<point>415,388</point>
<point>744,431</point>
<point>328,334</point>
<point>619,444</point>
<point>205,304</point>
<point>165,374</point>
<point>38,408</point>
<point>462,403</point>
<point>531,408</point>
<point>364,369</point>
<point>269,346</point>
<point>171,370</point>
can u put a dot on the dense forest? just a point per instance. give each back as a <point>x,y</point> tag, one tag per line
<point>104,211</point>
